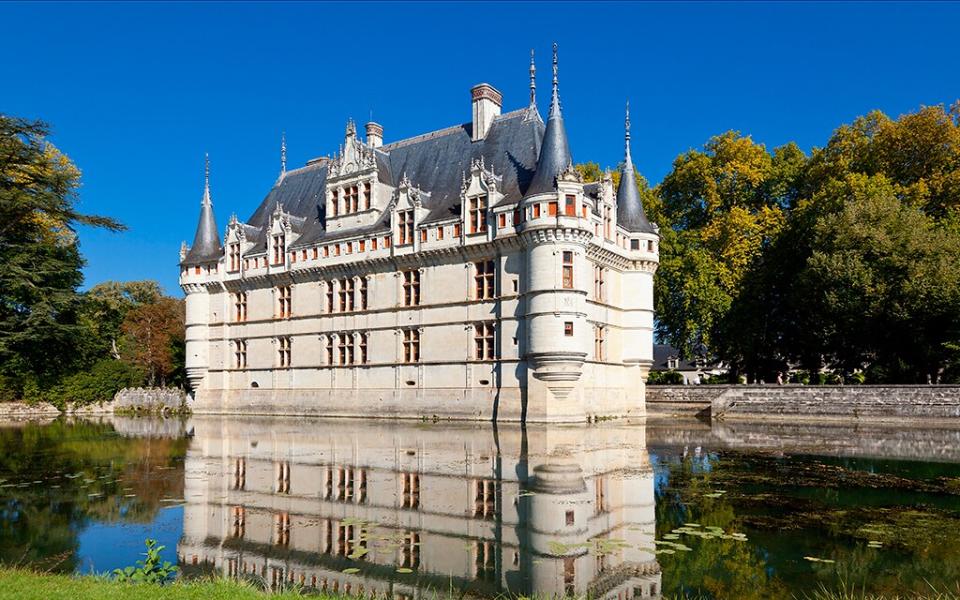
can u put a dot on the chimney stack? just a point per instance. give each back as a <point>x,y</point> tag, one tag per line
<point>486,107</point>
<point>374,134</point>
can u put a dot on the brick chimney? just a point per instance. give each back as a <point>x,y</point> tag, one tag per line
<point>486,107</point>
<point>374,134</point>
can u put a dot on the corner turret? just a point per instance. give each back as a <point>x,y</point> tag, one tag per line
<point>630,213</point>
<point>555,155</point>
<point>206,243</point>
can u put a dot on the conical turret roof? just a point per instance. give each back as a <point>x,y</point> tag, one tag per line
<point>206,243</point>
<point>555,155</point>
<point>630,213</point>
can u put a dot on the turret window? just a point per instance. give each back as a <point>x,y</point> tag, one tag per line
<point>568,328</point>
<point>483,338</point>
<point>478,214</point>
<point>411,288</point>
<point>567,269</point>
<point>570,206</point>
<point>404,227</point>
<point>552,209</point>
<point>240,306</point>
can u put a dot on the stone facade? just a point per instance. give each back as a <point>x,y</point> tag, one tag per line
<point>468,273</point>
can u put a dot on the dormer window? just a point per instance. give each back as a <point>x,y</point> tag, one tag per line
<point>478,214</point>
<point>279,241</point>
<point>404,227</point>
<point>335,202</point>
<point>351,200</point>
<point>366,196</point>
<point>234,253</point>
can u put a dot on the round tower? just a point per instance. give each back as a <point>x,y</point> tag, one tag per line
<point>198,265</point>
<point>643,248</point>
<point>555,235</point>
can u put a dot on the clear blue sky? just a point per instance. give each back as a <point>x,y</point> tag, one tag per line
<point>136,93</point>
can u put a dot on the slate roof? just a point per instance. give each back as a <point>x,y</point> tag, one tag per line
<point>435,162</point>
<point>662,353</point>
<point>206,242</point>
<point>630,213</point>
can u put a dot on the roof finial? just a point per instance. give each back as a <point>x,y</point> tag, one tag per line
<point>533,80</point>
<point>555,97</point>
<point>206,178</point>
<point>627,132</point>
<point>283,153</point>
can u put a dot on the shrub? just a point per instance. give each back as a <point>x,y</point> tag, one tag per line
<point>100,384</point>
<point>664,378</point>
<point>149,570</point>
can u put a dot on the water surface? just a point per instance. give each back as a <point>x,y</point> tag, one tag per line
<point>622,510</point>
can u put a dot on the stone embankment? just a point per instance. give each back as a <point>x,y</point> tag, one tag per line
<point>876,403</point>
<point>157,401</point>
<point>21,411</point>
<point>128,401</point>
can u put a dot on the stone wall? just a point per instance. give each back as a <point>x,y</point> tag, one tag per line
<point>797,402</point>
<point>151,400</point>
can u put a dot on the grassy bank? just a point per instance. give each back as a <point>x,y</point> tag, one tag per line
<point>18,584</point>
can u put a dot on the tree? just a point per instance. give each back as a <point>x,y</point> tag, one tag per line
<point>39,257</point>
<point>104,308</point>
<point>723,204</point>
<point>884,279</point>
<point>151,333</point>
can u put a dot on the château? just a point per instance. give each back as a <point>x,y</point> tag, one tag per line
<point>469,273</point>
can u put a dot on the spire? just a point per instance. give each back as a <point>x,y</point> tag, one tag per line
<point>555,93</point>
<point>206,180</point>
<point>630,213</point>
<point>533,80</point>
<point>206,242</point>
<point>283,153</point>
<point>626,135</point>
<point>555,155</point>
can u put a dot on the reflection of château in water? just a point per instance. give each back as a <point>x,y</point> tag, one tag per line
<point>548,511</point>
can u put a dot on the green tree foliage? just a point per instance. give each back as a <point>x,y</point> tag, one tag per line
<point>846,259</point>
<point>721,207</point>
<point>39,258</point>
<point>56,343</point>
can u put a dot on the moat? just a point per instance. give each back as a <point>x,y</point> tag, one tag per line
<point>640,509</point>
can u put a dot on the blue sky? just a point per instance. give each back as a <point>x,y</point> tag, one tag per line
<point>136,93</point>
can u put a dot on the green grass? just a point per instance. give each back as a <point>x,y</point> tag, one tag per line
<point>21,584</point>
